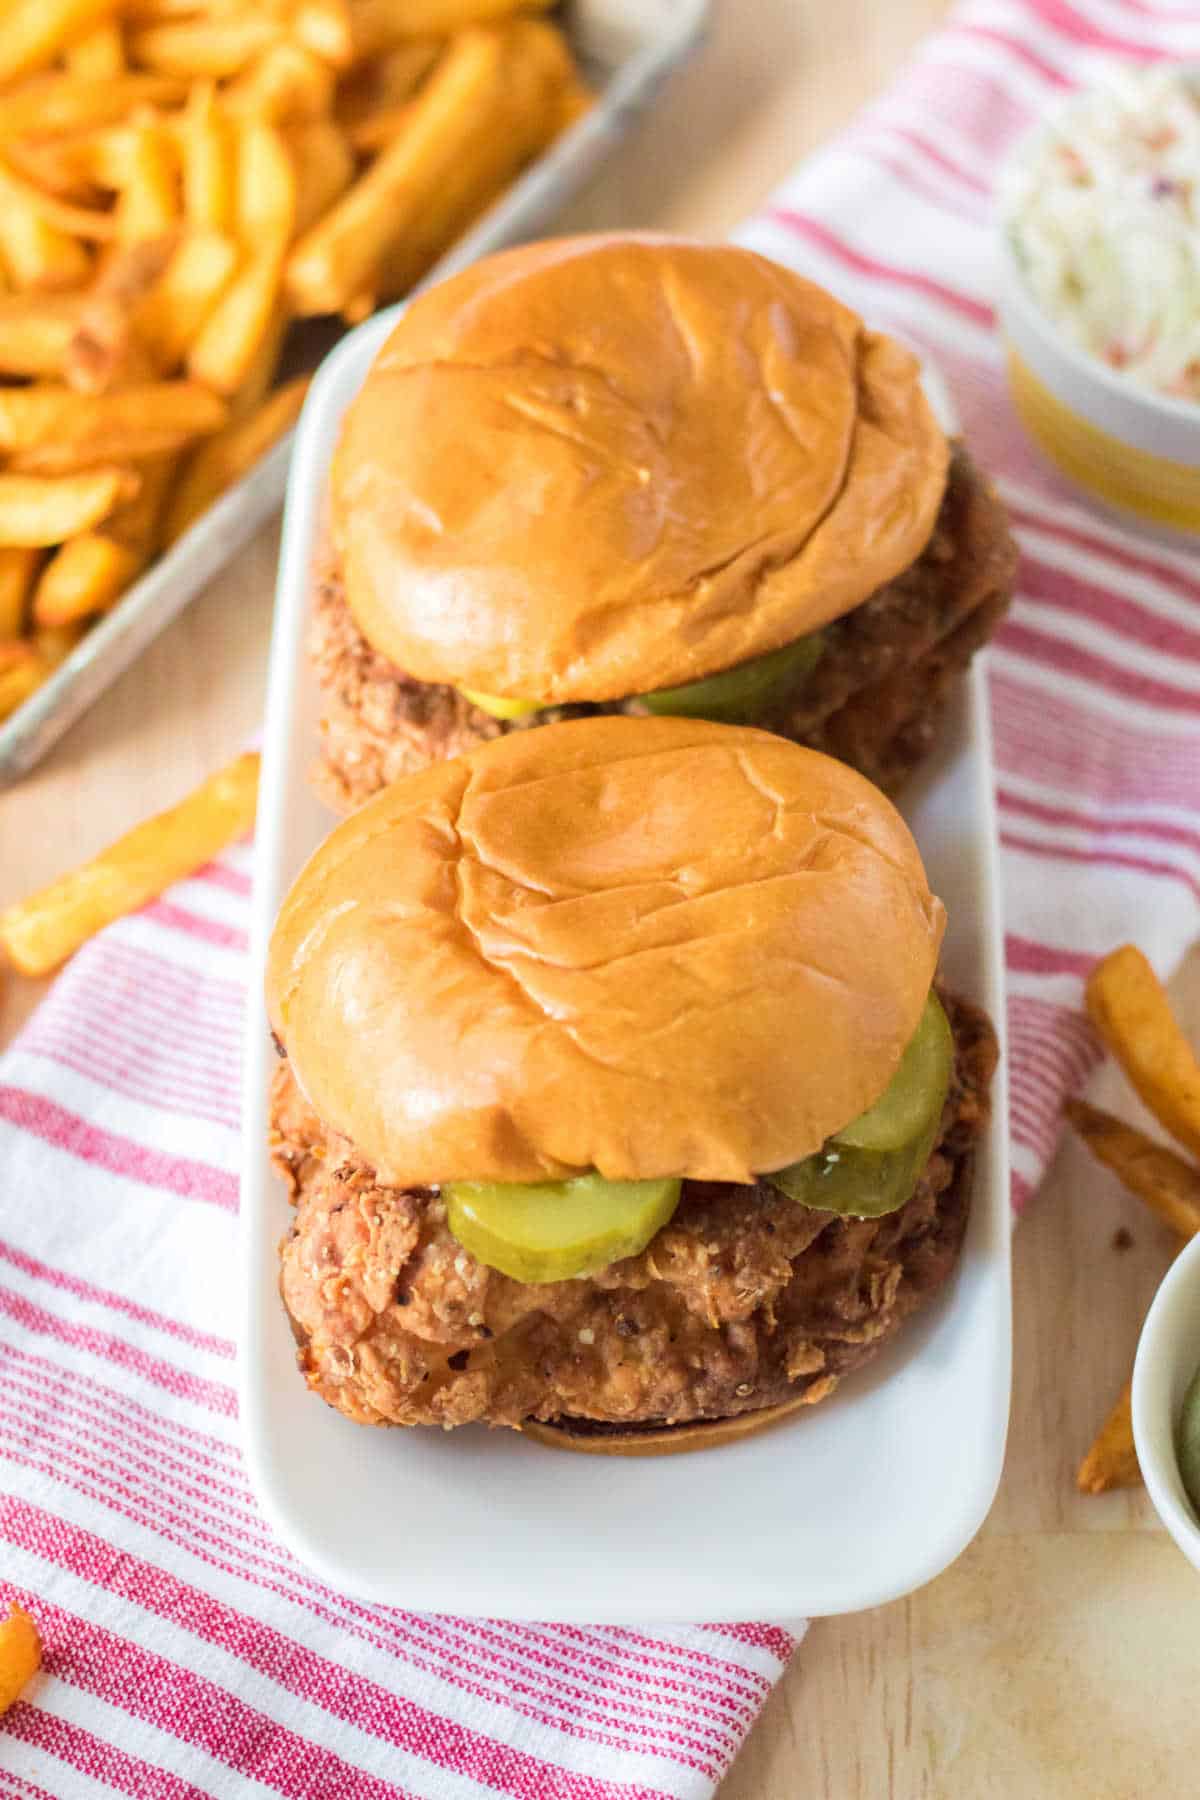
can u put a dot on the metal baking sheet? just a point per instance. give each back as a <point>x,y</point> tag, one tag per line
<point>627,49</point>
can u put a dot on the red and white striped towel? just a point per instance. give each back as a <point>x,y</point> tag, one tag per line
<point>187,1653</point>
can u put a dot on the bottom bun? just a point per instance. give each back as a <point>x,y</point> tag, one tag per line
<point>592,1439</point>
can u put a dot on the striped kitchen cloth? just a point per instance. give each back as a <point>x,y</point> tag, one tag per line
<point>187,1653</point>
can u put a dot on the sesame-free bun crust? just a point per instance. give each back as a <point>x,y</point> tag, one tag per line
<point>652,947</point>
<point>594,467</point>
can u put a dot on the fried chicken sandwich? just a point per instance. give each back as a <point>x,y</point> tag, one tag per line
<point>646,476</point>
<point>618,1099</point>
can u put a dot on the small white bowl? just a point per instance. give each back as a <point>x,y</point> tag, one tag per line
<point>1168,1356</point>
<point>1135,451</point>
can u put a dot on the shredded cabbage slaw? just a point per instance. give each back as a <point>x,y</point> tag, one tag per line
<point>1104,220</point>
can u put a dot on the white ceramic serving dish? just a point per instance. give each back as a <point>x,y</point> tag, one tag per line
<point>1134,451</point>
<point>627,49</point>
<point>1168,1356</point>
<point>858,1502</point>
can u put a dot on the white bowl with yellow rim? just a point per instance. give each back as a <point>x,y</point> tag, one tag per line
<point>1132,448</point>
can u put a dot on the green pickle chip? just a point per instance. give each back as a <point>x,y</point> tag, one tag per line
<point>557,1230</point>
<point>872,1166</point>
<point>1188,1442</point>
<point>739,695</point>
<point>736,696</point>
<point>862,1184</point>
<point>915,1094</point>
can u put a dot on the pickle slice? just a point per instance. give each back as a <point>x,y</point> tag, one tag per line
<point>499,707</point>
<point>557,1230</point>
<point>860,1184</point>
<point>736,696</point>
<point>916,1092</point>
<point>739,695</point>
<point>873,1166</point>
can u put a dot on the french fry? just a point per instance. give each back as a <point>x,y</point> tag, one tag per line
<point>209,156</point>
<point>91,572</point>
<point>577,99</point>
<point>379,129</point>
<point>265,206</point>
<point>323,163</point>
<point>1168,1185</point>
<point>339,256</point>
<point>52,429</point>
<point>360,306</point>
<point>98,54</point>
<point>387,81</point>
<point>80,166</point>
<point>36,253</point>
<point>86,576</point>
<point>104,351</point>
<point>216,47</point>
<point>40,933</point>
<point>33,32</point>
<point>153,12</point>
<point>77,221</point>
<point>149,202</point>
<point>20,1655</point>
<point>324,27</point>
<point>138,522</point>
<point>224,351</point>
<point>287,82</point>
<point>36,331</point>
<point>1112,1460</point>
<point>225,458</point>
<point>380,24</point>
<point>58,103</point>
<point>1131,1012</point>
<point>524,119</point>
<point>173,312</point>
<point>55,643</point>
<point>459,204</point>
<point>22,672</point>
<point>255,384</point>
<point>132,270</point>
<point>18,566</point>
<point>40,510</point>
<point>57,166</point>
<point>456,119</point>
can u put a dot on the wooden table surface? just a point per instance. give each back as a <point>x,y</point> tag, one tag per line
<point>1056,1658</point>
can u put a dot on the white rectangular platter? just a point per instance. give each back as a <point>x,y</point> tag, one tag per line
<point>859,1501</point>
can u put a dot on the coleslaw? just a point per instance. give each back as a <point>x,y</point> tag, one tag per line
<point>1104,221</point>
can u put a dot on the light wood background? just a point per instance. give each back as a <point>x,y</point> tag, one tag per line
<point>1057,1659</point>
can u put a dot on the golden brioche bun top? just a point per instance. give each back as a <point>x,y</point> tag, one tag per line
<point>652,947</point>
<point>594,467</point>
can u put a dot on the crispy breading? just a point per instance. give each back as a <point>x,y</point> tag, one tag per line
<point>743,1299</point>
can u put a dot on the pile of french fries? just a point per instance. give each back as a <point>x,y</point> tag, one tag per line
<point>1133,1016</point>
<point>179,181</point>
